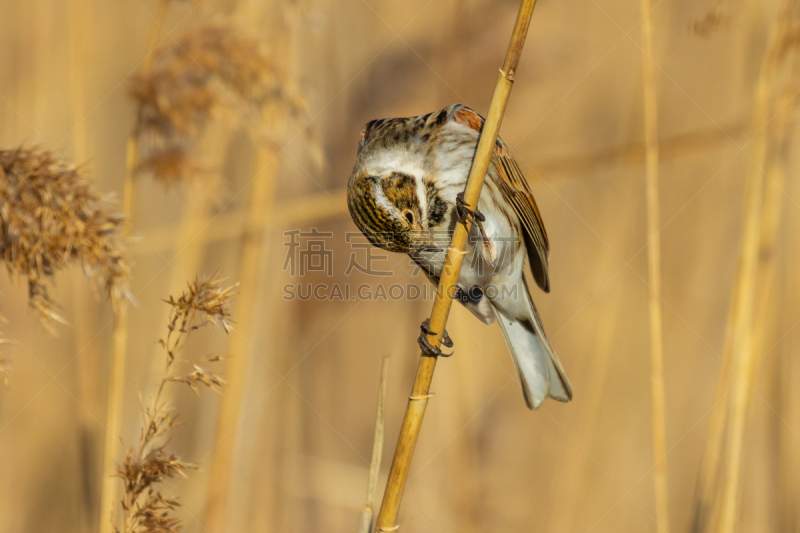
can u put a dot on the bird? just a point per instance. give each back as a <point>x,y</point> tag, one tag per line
<point>405,194</point>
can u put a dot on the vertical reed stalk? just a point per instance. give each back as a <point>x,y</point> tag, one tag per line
<point>377,451</point>
<point>743,342</point>
<point>415,411</point>
<point>707,481</point>
<point>654,271</point>
<point>116,380</point>
<point>83,299</point>
<point>259,210</point>
<point>116,385</point>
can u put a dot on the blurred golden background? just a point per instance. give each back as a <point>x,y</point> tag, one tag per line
<point>260,140</point>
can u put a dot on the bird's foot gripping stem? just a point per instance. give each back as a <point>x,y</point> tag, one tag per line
<point>465,214</point>
<point>429,349</point>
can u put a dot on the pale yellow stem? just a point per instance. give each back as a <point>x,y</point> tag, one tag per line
<point>116,380</point>
<point>654,272</point>
<point>743,342</point>
<point>83,298</point>
<point>260,207</point>
<point>116,385</point>
<point>418,401</point>
<point>377,451</point>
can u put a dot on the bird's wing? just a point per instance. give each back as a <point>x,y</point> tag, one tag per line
<point>517,193</point>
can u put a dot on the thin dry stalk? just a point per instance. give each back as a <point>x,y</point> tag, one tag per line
<point>116,378</point>
<point>377,451</point>
<point>654,272</point>
<point>418,401</point>
<point>260,202</point>
<point>145,508</point>
<point>743,352</point>
<point>710,466</point>
<point>84,302</point>
<point>116,385</point>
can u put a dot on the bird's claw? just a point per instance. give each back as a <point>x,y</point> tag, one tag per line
<point>429,349</point>
<point>465,214</point>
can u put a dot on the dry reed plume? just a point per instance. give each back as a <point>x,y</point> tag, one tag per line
<point>213,72</point>
<point>50,218</point>
<point>145,508</point>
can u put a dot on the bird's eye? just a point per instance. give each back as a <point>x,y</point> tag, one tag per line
<point>409,216</point>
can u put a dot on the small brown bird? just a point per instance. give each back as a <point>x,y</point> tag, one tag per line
<point>406,195</point>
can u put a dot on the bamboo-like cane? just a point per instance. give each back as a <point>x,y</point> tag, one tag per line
<point>418,401</point>
<point>377,451</point>
<point>654,272</point>
<point>259,211</point>
<point>116,383</point>
<point>746,283</point>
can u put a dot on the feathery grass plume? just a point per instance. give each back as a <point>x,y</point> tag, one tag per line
<point>146,508</point>
<point>50,217</point>
<point>215,71</point>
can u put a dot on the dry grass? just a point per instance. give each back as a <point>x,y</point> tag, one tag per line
<point>50,218</point>
<point>145,506</point>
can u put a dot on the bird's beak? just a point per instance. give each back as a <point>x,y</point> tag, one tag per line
<point>430,248</point>
<point>427,244</point>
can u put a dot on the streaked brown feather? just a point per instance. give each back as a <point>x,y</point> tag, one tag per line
<point>517,193</point>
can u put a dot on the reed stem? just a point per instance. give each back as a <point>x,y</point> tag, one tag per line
<point>746,284</point>
<point>418,401</point>
<point>116,385</point>
<point>654,272</point>
<point>259,211</point>
<point>377,451</point>
<point>84,301</point>
<point>116,382</point>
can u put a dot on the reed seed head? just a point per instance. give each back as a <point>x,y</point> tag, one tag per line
<point>50,217</point>
<point>215,71</point>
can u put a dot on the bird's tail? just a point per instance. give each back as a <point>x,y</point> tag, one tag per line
<point>538,367</point>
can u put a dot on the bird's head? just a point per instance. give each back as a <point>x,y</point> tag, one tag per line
<point>390,209</point>
<point>391,194</point>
